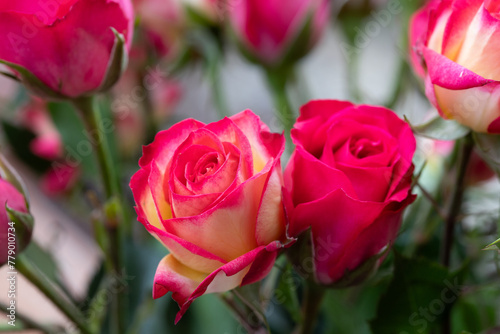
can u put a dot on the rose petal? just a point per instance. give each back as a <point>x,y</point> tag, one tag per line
<point>146,207</point>
<point>227,131</point>
<point>265,145</point>
<point>227,229</point>
<point>170,277</point>
<point>481,45</point>
<point>189,254</point>
<point>385,228</point>
<point>271,224</point>
<point>324,180</point>
<point>166,143</point>
<point>336,220</point>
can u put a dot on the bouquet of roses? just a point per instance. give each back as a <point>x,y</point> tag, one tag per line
<point>314,215</point>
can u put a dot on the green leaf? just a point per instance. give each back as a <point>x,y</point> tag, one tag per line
<point>476,310</point>
<point>78,150</point>
<point>417,298</point>
<point>117,62</point>
<point>495,245</point>
<point>286,293</point>
<point>352,307</point>
<point>489,149</point>
<point>33,83</point>
<point>46,263</point>
<point>466,316</point>
<point>440,129</point>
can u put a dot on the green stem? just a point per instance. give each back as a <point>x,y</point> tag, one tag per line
<point>352,81</point>
<point>456,202</point>
<point>277,80</point>
<point>214,75</point>
<point>141,315</point>
<point>243,315</point>
<point>56,296</point>
<point>213,57</point>
<point>399,84</point>
<point>114,213</point>
<point>151,123</point>
<point>253,309</point>
<point>467,146</point>
<point>93,123</point>
<point>313,297</point>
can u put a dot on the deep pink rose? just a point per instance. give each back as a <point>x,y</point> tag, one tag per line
<point>66,44</point>
<point>164,22</point>
<point>59,179</point>
<point>454,46</point>
<point>269,30</point>
<point>47,143</point>
<point>349,180</point>
<point>212,194</point>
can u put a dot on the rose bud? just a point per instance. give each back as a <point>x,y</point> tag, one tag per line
<point>278,32</point>
<point>454,46</point>
<point>349,181</point>
<point>47,144</point>
<point>164,22</point>
<point>478,170</point>
<point>16,225</point>
<point>60,179</point>
<point>66,49</point>
<point>212,194</point>
<point>165,98</point>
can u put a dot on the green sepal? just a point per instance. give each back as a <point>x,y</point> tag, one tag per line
<point>31,82</point>
<point>440,129</point>
<point>362,272</point>
<point>23,227</point>
<point>9,174</point>
<point>495,245</point>
<point>117,62</point>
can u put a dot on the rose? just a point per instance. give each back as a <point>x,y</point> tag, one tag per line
<point>164,22</point>
<point>277,32</point>
<point>11,197</point>
<point>60,179</point>
<point>212,194</point>
<point>47,143</point>
<point>67,45</point>
<point>454,46</point>
<point>15,225</point>
<point>349,181</point>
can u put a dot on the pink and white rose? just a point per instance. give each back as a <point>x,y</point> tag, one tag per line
<point>212,194</point>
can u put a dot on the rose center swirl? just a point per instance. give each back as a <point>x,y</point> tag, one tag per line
<point>364,147</point>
